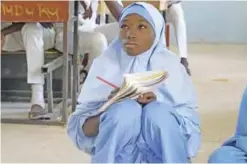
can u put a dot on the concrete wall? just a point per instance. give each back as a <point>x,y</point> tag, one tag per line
<point>216,21</point>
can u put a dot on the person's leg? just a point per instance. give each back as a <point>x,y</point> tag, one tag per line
<point>162,134</point>
<point>175,16</point>
<point>13,42</point>
<point>228,154</point>
<point>36,39</point>
<point>119,130</point>
<point>94,44</point>
<point>111,31</point>
<point>91,43</point>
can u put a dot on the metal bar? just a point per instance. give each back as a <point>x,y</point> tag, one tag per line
<point>107,18</point>
<point>15,53</point>
<point>49,92</point>
<point>53,65</point>
<point>79,79</point>
<point>64,112</point>
<point>70,79</point>
<point>102,12</point>
<point>75,57</point>
<point>167,33</point>
<point>23,52</point>
<point>167,30</point>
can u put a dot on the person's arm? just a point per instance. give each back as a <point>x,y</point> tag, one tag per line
<point>83,124</point>
<point>176,16</point>
<point>12,28</point>
<point>91,126</point>
<point>87,10</point>
<point>84,5</point>
<point>18,26</point>
<point>115,8</point>
<point>9,30</point>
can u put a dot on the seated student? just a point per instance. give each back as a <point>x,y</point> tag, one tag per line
<point>36,37</point>
<point>235,149</point>
<point>160,126</point>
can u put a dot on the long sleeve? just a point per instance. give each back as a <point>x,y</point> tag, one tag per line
<point>76,121</point>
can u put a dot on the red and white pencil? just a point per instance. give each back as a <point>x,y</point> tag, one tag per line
<point>106,82</point>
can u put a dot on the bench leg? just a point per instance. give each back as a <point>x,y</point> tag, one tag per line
<point>167,33</point>
<point>64,111</point>
<point>167,30</point>
<point>49,92</point>
<point>70,93</point>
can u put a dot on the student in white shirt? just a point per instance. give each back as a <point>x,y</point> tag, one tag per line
<point>37,37</point>
<point>34,38</point>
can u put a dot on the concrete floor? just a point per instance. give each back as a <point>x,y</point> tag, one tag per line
<point>219,74</point>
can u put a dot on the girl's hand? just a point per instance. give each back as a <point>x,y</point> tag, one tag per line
<point>146,98</point>
<point>113,93</point>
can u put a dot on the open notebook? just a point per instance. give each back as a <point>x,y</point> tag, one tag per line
<point>136,84</point>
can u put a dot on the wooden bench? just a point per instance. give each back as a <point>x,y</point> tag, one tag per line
<point>47,52</point>
<point>48,67</point>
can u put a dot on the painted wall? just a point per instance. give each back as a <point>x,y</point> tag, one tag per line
<point>216,21</point>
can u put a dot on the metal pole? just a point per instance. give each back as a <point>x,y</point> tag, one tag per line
<point>75,57</point>
<point>64,111</point>
<point>102,12</point>
<point>49,92</point>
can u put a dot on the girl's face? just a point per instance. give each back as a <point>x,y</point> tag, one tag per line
<point>136,35</point>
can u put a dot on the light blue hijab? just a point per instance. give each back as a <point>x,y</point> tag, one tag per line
<point>114,63</point>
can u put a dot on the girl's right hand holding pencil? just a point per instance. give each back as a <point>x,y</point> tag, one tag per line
<point>113,93</point>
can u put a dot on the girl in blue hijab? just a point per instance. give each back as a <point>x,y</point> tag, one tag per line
<point>160,126</point>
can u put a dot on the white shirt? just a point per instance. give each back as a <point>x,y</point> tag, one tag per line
<point>59,26</point>
<point>91,22</point>
<point>5,24</point>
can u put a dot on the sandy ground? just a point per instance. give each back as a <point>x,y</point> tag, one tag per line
<point>219,74</point>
